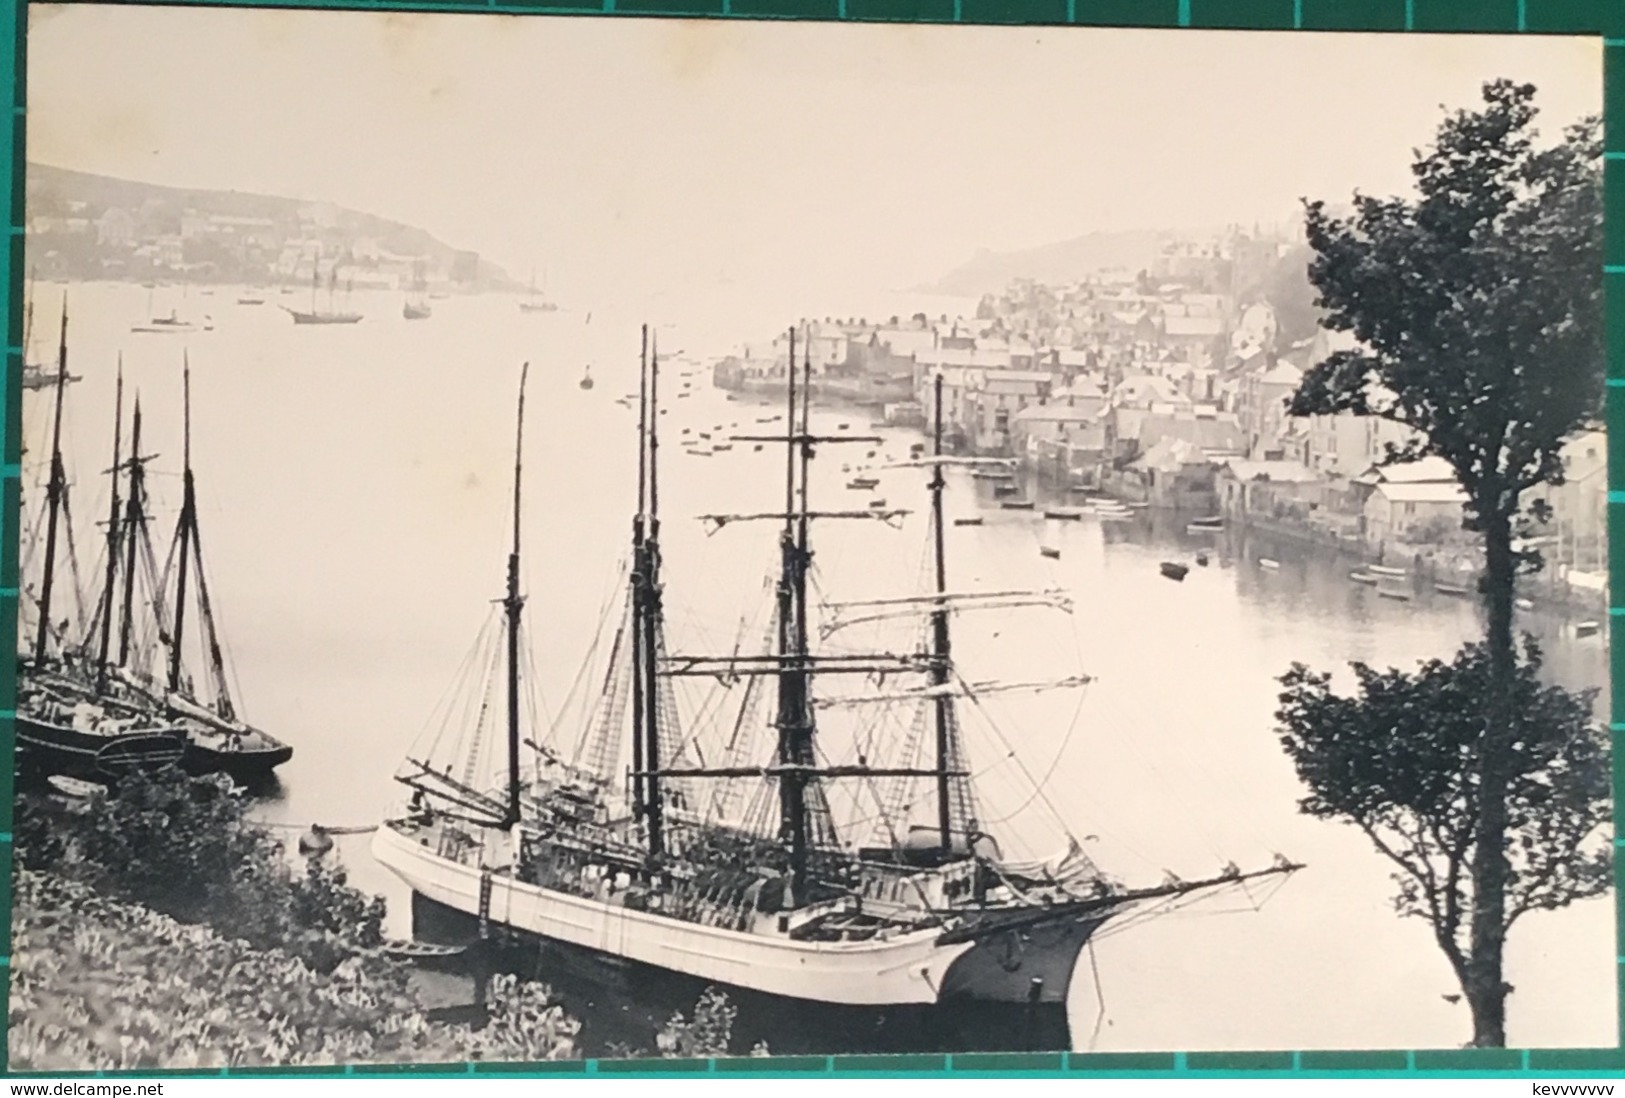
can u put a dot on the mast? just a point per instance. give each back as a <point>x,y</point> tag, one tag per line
<point>650,620</point>
<point>513,604</point>
<point>792,598</point>
<point>939,632</point>
<point>57,488</point>
<point>106,611</point>
<point>638,683</point>
<point>132,519</point>
<point>187,520</point>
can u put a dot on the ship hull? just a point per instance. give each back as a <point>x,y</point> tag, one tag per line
<point>622,1004</point>
<point>322,318</point>
<point>247,766</point>
<point>1022,967</point>
<point>907,969</point>
<point>49,748</point>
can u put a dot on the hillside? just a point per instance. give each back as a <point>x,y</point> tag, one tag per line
<point>990,272</point>
<point>85,226</point>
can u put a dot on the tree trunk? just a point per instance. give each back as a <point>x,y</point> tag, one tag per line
<point>1486,989</point>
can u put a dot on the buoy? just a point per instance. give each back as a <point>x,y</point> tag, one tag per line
<point>315,842</point>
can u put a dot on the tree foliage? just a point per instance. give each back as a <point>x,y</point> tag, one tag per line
<point>1395,758</point>
<point>1477,313</point>
<point>1478,305</point>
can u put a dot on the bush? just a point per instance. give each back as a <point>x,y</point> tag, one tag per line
<point>102,984</point>
<point>185,847</point>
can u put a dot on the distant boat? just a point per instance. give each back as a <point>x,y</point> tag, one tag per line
<point>863,484</point>
<point>1172,570</point>
<point>1444,588</point>
<point>329,315</point>
<point>1006,489</point>
<point>1201,559</point>
<point>165,325</point>
<point>1268,564</point>
<point>1051,553</point>
<point>251,301</point>
<point>1066,514</point>
<point>537,302</point>
<point>417,307</point>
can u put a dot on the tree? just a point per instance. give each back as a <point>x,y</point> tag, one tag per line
<point>1477,308</point>
<point>1395,759</point>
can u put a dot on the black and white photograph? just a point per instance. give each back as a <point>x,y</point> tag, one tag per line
<point>547,538</point>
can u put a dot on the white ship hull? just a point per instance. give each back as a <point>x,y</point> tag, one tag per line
<point>915,968</point>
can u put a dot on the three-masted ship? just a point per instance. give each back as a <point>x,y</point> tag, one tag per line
<point>735,871</point>
<point>331,314</point>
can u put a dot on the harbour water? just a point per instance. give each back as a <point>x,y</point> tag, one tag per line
<point>354,487</point>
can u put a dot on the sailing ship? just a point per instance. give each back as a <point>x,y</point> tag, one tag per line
<point>329,315</point>
<point>734,871</point>
<point>537,302</point>
<point>37,375</point>
<point>151,664</point>
<point>71,721</point>
<point>416,308</point>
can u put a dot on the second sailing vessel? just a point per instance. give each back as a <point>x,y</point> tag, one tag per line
<point>736,872</point>
<point>152,663</point>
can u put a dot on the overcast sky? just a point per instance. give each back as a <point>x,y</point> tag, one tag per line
<point>640,151</point>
